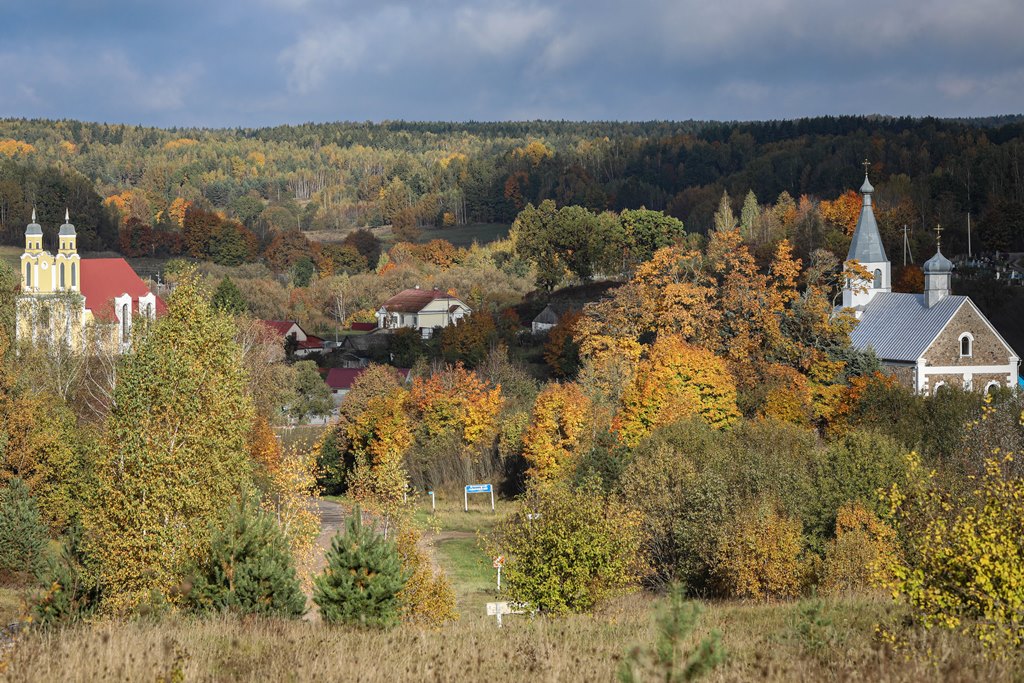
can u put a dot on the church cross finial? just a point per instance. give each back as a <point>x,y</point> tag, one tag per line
<point>938,235</point>
<point>67,215</point>
<point>866,165</point>
<point>33,214</point>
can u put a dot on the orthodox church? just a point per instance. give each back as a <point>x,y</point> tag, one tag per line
<point>78,301</point>
<point>927,340</point>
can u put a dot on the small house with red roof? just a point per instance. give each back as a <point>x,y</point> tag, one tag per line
<point>421,309</point>
<point>305,344</point>
<point>63,296</point>
<point>340,380</point>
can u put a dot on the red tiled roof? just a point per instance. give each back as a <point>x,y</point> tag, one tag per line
<point>312,342</point>
<point>103,279</point>
<point>281,326</point>
<point>363,327</point>
<point>344,378</point>
<point>413,300</point>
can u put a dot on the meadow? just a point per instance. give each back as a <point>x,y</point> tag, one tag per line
<point>810,639</point>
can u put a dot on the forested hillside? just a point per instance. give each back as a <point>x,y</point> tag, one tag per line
<point>341,176</point>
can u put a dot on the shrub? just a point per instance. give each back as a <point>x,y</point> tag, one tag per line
<point>22,533</point>
<point>964,553</point>
<point>759,555</point>
<point>71,594</point>
<point>683,504</point>
<point>580,547</point>
<point>427,599</point>
<point>363,578</point>
<point>249,568</point>
<point>855,467</point>
<point>862,554</point>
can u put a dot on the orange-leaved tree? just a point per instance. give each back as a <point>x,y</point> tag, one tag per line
<point>559,433</point>
<point>458,400</point>
<point>675,380</point>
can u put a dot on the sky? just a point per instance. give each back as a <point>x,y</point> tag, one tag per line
<point>228,63</point>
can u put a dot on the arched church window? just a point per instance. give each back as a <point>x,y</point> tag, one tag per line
<point>938,388</point>
<point>28,274</point>
<point>124,322</point>
<point>878,278</point>
<point>62,285</point>
<point>73,273</point>
<point>966,345</point>
<point>992,387</point>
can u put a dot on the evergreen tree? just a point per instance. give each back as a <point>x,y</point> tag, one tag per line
<point>72,593</point>
<point>749,214</point>
<point>363,578</point>
<point>249,568</point>
<point>22,532</point>
<point>725,220</point>
<point>228,298</point>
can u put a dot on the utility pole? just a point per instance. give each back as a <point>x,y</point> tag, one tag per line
<point>906,246</point>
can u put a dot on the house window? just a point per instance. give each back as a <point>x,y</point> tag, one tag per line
<point>966,345</point>
<point>878,278</point>
<point>124,322</point>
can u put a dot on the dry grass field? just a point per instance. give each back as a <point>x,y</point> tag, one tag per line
<point>803,641</point>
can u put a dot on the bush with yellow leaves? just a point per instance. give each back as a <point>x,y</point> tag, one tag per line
<point>428,598</point>
<point>965,552</point>
<point>862,554</point>
<point>759,555</point>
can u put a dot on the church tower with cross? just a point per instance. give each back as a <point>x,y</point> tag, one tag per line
<point>873,270</point>
<point>930,340</point>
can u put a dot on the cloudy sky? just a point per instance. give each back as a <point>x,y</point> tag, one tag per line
<point>264,62</point>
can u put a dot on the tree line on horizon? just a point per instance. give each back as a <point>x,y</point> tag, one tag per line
<point>343,176</point>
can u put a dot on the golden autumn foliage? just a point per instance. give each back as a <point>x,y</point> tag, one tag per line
<point>789,396</point>
<point>863,553</point>
<point>378,438</point>
<point>175,452</point>
<point>427,599</point>
<point>286,481</point>
<point>964,566</point>
<point>456,399</point>
<point>843,211</point>
<point>759,555</point>
<point>180,143</point>
<point>15,148</point>
<point>535,151</point>
<point>676,380</point>
<point>559,433</point>
<point>176,211</point>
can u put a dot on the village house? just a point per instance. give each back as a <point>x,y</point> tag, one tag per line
<point>304,344</point>
<point>927,340</point>
<point>552,314</point>
<point>421,309</point>
<point>340,380</point>
<point>65,298</point>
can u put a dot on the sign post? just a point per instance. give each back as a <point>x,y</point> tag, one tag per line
<point>477,488</point>
<point>498,563</point>
<point>433,502</point>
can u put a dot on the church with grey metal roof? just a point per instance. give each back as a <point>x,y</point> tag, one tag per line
<point>927,340</point>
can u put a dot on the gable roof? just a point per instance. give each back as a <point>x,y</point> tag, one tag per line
<point>414,300</point>
<point>554,311</point>
<point>343,378</point>
<point>103,279</point>
<point>281,326</point>
<point>899,327</point>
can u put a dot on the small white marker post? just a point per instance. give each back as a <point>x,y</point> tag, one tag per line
<point>433,503</point>
<point>498,563</point>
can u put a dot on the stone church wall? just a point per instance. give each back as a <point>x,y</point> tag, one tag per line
<point>987,349</point>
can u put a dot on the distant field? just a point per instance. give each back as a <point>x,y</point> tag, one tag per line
<point>465,235</point>
<point>12,255</point>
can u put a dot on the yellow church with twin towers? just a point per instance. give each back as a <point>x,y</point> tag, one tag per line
<point>78,302</point>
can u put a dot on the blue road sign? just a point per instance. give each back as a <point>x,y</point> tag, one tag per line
<point>478,488</point>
